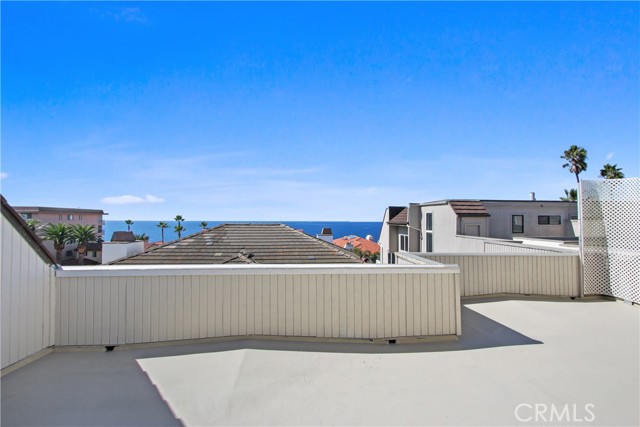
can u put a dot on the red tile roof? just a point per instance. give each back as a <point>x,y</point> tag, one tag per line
<point>358,242</point>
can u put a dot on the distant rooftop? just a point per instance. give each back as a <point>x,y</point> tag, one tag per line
<point>399,217</point>
<point>245,244</point>
<point>123,236</point>
<point>35,209</point>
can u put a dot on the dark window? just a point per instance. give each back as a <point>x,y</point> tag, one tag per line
<point>549,220</point>
<point>70,217</point>
<point>429,221</point>
<point>60,217</point>
<point>26,215</point>
<point>69,253</point>
<point>79,217</point>
<point>517,223</point>
<point>429,242</point>
<point>404,242</point>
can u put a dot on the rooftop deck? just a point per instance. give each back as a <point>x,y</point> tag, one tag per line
<point>527,352</point>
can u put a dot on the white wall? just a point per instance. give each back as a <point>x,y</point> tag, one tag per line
<point>513,273</point>
<point>501,212</point>
<point>137,304</point>
<point>112,251</point>
<point>27,295</point>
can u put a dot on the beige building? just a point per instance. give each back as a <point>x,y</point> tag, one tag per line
<point>72,216</point>
<point>451,225</point>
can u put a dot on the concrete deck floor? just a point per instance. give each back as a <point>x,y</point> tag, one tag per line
<point>560,354</point>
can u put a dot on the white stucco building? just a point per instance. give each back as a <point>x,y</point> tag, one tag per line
<point>452,225</point>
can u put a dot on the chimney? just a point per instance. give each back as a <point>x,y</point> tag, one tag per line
<point>326,234</point>
<point>532,196</point>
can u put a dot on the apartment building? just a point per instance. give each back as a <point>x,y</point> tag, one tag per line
<point>450,225</point>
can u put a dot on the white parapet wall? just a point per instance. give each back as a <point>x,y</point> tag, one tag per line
<point>119,305</point>
<point>112,251</point>
<point>551,274</point>
<point>28,299</point>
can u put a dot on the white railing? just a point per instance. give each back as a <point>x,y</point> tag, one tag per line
<point>555,274</point>
<point>141,304</point>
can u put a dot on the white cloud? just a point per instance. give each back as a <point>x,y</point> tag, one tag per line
<point>128,199</point>
<point>610,155</point>
<point>4,175</point>
<point>153,199</point>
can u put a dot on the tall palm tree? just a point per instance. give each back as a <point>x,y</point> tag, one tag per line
<point>179,229</point>
<point>162,225</point>
<point>570,195</point>
<point>59,234</point>
<point>611,172</point>
<point>204,224</point>
<point>129,224</point>
<point>82,234</point>
<point>576,158</point>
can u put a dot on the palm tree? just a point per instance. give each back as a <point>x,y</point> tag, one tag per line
<point>59,234</point>
<point>611,172</point>
<point>35,226</point>
<point>179,229</point>
<point>162,225</point>
<point>82,234</point>
<point>129,224</point>
<point>204,224</point>
<point>570,195</point>
<point>142,236</point>
<point>576,158</point>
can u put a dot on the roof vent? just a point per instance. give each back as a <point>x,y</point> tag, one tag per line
<point>532,196</point>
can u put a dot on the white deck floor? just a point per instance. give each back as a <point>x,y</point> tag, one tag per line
<point>560,354</point>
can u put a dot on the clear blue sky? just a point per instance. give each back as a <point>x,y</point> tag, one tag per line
<point>310,111</point>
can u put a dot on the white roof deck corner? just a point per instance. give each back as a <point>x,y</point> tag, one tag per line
<point>512,352</point>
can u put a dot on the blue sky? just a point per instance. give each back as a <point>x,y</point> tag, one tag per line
<point>310,111</point>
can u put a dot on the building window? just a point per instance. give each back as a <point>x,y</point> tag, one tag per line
<point>517,223</point>
<point>70,217</point>
<point>95,254</point>
<point>68,253</point>
<point>428,227</point>
<point>549,220</point>
<point>25,215</point>
<point>79,217</point>
<point>60,217</point>
<point>404,242</point>
<point>99,229</point>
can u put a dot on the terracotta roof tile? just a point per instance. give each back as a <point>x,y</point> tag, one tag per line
<point>245,243</point>
<point>358,242</point>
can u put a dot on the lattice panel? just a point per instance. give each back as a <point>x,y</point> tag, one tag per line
<point>610,215</point>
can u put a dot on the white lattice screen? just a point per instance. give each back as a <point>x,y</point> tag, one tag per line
<point>610,216</point>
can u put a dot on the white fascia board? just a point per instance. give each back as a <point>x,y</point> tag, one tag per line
<point>250,269</point>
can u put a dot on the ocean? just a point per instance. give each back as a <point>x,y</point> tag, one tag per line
<point>339,228</point>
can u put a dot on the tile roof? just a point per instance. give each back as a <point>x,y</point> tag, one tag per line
<point>358,242</point>
<point>400,218</point>
<point>245,244</point>
<point>123,236</point>
<point>468,208</point>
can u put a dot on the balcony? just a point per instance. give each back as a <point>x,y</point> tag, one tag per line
<point>317,344</point>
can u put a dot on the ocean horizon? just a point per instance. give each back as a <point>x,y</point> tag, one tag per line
<point>339,228</point>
